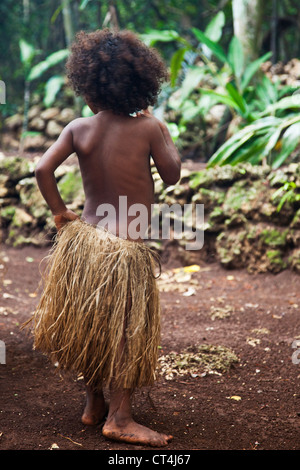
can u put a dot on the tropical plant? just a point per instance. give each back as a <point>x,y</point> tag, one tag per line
<point>54,83</point>
<point>269,139</point>
<point>269,115</point>
<point>52,86</point>
<point>286,193</point>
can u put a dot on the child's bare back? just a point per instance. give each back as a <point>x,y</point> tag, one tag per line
<point>114,157</point>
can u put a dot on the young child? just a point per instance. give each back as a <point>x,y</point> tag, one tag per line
<point>99,311</point>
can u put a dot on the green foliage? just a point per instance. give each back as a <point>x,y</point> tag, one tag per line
<point>270,116</point>
<point>287,193</point>
<point>270,138</point>
<point>52,87</point>
<point>53,59</point>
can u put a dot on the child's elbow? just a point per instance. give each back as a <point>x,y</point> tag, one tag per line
<point>172,178</point>
<point>38,171</point>
<point>41,171</point>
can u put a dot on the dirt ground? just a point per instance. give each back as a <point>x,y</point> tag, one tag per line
<point>253,406</point>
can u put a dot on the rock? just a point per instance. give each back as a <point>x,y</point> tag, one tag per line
<point>32,199</point>
<point>274,238</point>
<point>4,191</point>
<point>16,168</point>
<point>295,224</point>
<point>6,215</point>
<point>53,129</point>
<point>14,122</point>
<point>209,198</point>
<point>230,249</point>
<point>70,187</point>
<point>255,247</point>
<point>50,113</point>
<point>34,112</point>
<point>37,124</point>
<point>21,218</point>
<point>294,260</point>
<point>293,238</point>
<point>276,262</point>
<point>34,142</point>
<point>65,116</point>
<point>216,220</point>
<point>8,141</point>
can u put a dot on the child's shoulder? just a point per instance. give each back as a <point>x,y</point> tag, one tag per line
<point>150,122</point>
<point>143,123</point>
<point>80,123</point>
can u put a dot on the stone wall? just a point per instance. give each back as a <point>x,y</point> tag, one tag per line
<point>24,214</point>
<point>44,126</point>
<point>244,227</point>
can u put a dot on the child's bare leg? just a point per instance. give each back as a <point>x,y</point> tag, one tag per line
<point>120,425</point>
<point>95,408</point>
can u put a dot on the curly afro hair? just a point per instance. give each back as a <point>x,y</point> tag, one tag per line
<point>115,71</point>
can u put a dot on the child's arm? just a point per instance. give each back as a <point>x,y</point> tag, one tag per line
<point>164,152</point>
<point>44,173</point>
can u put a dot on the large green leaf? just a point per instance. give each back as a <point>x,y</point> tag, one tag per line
<point>238,98</point>
<point>289,102</point>
<point>288,142</point>
<point>191,81</point>
<point>221,98</point>
<point>50,61</point>
<point>27,52</point>
<point>154,35</point>
<point>52,87</point>
<point>176,64</point>
<point>189,111</point>
<point>229,147</point>
<point>252,68</point>
<point>266,91</point>
<point>83,4</point>
<point>258,128</point>
<point>249,151</point>
<point>236,57</point>
<point>215,27</point>
<point>216,49</point>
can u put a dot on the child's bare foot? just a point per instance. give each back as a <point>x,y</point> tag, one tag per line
<point>133,433</point>
<point>95,409</point>
<point>93,417</point>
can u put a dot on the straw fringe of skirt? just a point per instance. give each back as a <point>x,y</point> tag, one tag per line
<point>99,312</point>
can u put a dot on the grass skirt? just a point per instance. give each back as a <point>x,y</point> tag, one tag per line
<point>100,289</point>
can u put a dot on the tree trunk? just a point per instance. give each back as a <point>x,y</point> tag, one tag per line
<point>247,19</point>
<point>274,31</point>
<point>68,22</point>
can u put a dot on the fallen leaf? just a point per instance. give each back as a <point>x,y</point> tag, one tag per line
<point>235,397</point>
<point>253,341</point>
<point>189,292</point>
<point>53,446</point>
<point>219,312</point>
<point>194,268</point>
<point>8,296</point>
